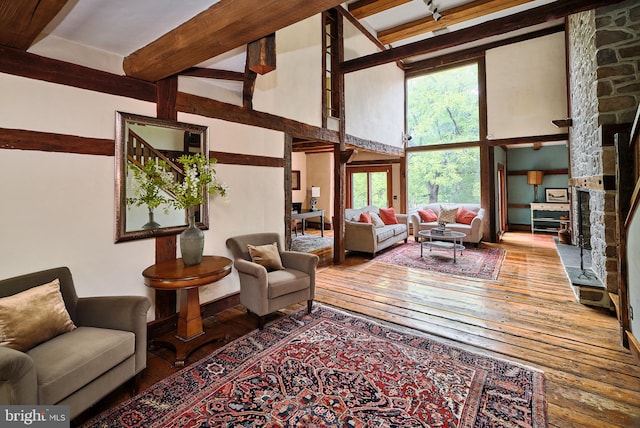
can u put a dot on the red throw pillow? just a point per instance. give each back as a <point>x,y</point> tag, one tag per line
<point>365,217</point>
<point>428,216</point>
<point>465,216</point>
<point>388,215</point>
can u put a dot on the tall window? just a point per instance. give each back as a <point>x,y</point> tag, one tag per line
<point>443,107</point>
<point>442,112</point>
<point>369,186</point>
<point>443,176</point>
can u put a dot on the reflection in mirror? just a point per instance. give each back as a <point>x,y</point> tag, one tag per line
<point>142,210</point>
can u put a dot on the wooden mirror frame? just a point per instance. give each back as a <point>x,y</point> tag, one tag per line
<point>123,121</point>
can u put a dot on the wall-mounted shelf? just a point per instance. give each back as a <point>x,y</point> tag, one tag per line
<point>545,217</point>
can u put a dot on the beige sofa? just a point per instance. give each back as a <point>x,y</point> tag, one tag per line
<point>79,367</point>
<point>473,231</point>
<point>368,238</point>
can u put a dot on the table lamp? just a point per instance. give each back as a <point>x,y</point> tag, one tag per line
<point>315,193</point>
<point>535,178</point>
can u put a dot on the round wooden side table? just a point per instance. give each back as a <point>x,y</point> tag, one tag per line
<point>174,275</point>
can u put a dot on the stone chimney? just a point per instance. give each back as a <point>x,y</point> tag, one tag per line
<point>604,79</point>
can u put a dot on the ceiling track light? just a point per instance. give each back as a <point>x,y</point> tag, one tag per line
<point>433,10</point>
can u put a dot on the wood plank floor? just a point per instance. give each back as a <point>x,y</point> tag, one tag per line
<point>528,315</point>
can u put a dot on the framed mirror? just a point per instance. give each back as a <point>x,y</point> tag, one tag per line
<point>140,140</point>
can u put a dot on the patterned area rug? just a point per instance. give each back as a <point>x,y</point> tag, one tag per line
<point>481,263</point>
<point>331,369</point>
<point>309,243</point>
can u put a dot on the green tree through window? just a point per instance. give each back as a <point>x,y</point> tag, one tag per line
<point>443,108</point>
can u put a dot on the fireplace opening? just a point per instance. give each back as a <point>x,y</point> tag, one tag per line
<point>583,228</point>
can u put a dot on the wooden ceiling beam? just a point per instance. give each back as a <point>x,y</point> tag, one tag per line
<point>539,15</point>
<point>21,22</point>
<point>456,15</point>
<point>363,8</point>
<point>226,25</point>
<point>211,73</point>
<point>25,64</point>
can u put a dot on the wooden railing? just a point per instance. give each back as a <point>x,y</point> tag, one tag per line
<point>139,152</point>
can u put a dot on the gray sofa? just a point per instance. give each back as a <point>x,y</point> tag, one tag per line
<point>473,231</point>
<point>77,368</point>
<point>368,238</point>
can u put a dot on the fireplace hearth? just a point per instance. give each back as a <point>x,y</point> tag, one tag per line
<point>587,288</point>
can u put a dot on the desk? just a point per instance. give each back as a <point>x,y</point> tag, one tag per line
<point>305,214</point>
<point>174,275</point>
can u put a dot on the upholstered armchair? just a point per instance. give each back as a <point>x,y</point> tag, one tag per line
<point>264,290</point>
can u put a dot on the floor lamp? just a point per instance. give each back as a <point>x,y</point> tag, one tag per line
<point>535,178</point>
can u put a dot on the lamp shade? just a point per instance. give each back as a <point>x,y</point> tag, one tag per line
<point>534,177</point>
<point>315,192</point>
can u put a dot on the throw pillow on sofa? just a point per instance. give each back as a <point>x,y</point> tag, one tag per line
<point>465,216</point>
<point>388,215</point>
<point>428,215</point>
<point>376,220</point>
<point>33,316</point>
<point>365,217</point>
<point>447,215</point>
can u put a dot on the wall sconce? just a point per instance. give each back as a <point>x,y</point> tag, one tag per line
<point>535,178</point>
<point>315,193</point>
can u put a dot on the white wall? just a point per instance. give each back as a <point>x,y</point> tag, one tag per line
<point>374,98</point>
<point>294,89</point>
<point>633,262</point>
<point>320,169</point>
<point>526,87</point>
<point>58,208</point>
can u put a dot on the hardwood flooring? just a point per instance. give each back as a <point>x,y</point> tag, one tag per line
<point>528,315</point>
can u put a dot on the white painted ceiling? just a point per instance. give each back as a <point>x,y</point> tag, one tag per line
<point>100,33</point>
<point>122,26</point>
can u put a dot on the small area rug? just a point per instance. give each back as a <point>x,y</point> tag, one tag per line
<point>332,369</point>
<point>309,243</point>
<point>480,263</point>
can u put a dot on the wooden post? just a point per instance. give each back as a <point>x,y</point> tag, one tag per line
<point>166,246</point>
<point>339,156</point>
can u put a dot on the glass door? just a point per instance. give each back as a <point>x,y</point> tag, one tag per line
<point>369,186</point>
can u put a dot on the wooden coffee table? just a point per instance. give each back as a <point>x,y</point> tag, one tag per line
<point>451,240</point>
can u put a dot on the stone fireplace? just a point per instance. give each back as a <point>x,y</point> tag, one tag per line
<point>604,76</point>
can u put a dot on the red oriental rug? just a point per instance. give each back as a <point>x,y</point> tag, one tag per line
<point>481,263</point>
<point>331,369</point>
